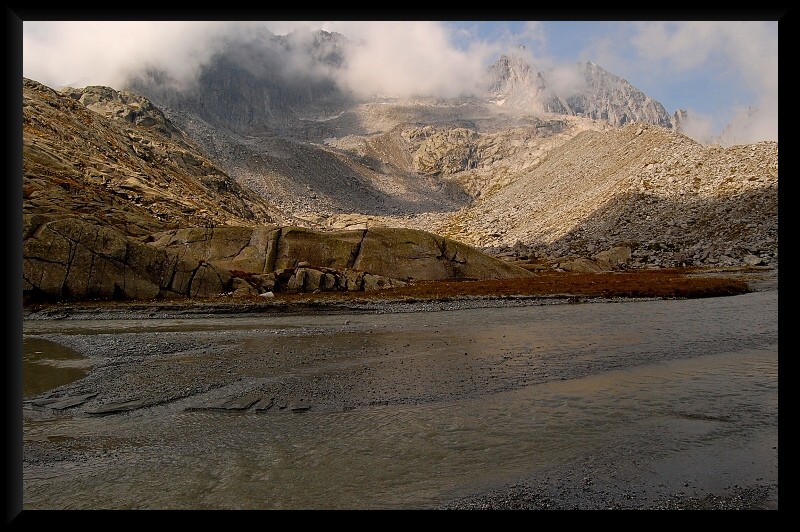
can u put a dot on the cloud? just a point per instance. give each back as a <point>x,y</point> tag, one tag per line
<point>669,61</point>
<point>744,52</point>
<point>397,59</point>
<point>59,53</point>
<point>391,58</point>
<point>566,80</point>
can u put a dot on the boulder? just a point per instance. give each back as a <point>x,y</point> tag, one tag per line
<point>330,249</point>
<point>612,259</point>
<point>410,254</point>
<point>71,259</point>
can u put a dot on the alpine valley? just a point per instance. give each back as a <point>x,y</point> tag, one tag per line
<point>254,179</point>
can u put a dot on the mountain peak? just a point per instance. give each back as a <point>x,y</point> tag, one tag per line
<point>592,92</point>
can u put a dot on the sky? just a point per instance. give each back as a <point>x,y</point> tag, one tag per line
<point>714,69</point>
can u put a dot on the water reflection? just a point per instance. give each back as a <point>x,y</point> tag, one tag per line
<point>47,365</point>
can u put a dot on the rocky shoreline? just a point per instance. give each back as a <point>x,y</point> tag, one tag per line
<point>375,306</point>
<point>561,288</point>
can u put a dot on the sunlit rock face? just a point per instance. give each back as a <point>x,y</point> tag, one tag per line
<point>611,98</point>
<point>70,259</point>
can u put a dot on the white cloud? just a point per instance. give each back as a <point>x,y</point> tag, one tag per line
<point>409,58</point>
<point>745,52</point>
<point>700,127</point>
<point>393,58</point>
<point>59,53</point>
<point>567,80</point>
<point>405,59</point>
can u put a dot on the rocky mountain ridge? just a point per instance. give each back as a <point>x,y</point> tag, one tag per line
<point>253,86</point>
<point>592,93</point>
<point>545,190</point>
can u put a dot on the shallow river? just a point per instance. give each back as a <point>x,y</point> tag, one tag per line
<point>681,393</point>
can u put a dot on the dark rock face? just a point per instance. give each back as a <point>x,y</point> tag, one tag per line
<point>249,85</point>
<point>69,259</point>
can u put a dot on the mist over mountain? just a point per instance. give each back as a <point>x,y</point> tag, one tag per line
<point>254,85</point>
<point>584,90</point>
<point>261,81</point>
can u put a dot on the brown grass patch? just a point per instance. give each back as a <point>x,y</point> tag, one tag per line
<point>656,283</point>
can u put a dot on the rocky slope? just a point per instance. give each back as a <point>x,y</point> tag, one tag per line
<point>113,158</point>
<point>393,157</point>
<point>672,200</point>
<point>668,199</point>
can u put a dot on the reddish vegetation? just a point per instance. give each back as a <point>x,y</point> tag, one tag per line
<point>667,282</point>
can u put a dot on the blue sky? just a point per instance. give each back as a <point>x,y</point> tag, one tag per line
<point>713,69</point>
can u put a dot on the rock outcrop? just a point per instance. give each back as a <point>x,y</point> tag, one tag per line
<point>71,259</point>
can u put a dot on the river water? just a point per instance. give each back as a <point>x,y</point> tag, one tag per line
<point>676,392</point>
